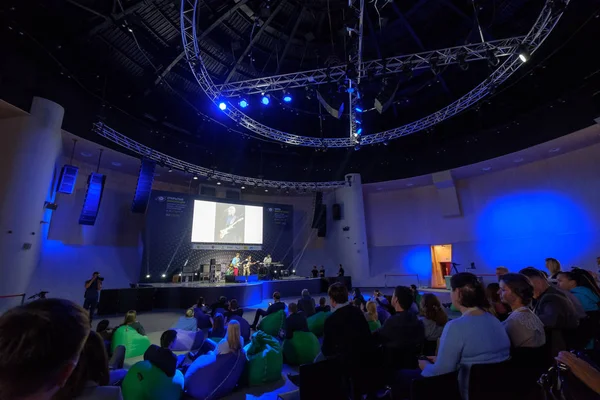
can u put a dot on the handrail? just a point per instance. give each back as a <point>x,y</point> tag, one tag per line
<point>21,295</point>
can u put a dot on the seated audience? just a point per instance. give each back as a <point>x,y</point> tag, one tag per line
<point>201,307</point>
<point>358,296</point>
<point>433,317</point>
<point>371,315</point>
<point>163,357</point>
<point>477,337</point>
<point>346,332</point>
<point>233,340</point>
<point>307,304</point>
<point>384,308</point>
<point>416,299</point>
<point>131,321</point>
<point>358,304</point>
<point>583,286</point>
<point>234,309</point>
<point>315,272</point>
<point>553,266</point>
<point>90,379</point>
<point>322,307</point>
<point>40,345</point>
<point>492,293</point>
<point>218,329</point>
<point>402,332</point>
<point>277,305</point>
<point>553,307</point>
<point>202,315</point>
<point>501,271</point>
<point>187,322</point>
<point>322,272</point>
<point>220,306</point>
<point>523,327</point>
<point>296,321</point>
<point>585,372</point>
<point>104,330</point>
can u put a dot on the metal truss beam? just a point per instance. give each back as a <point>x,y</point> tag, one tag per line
<point>163,159</point>
<point>506,49</point>
<point>354,94</point>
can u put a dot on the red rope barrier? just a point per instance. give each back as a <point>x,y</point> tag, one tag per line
<point>12,295</point>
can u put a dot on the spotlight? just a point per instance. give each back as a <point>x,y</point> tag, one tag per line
<point>163,276</point>
<point>243,103</point>
<point>147,276</point>
<point>293,271</point>
<point>524,54</point>
<point>218,183</point>
<point>287,98</point>
<point>243,187</point>
<point>222,106</point>
<point>358,109</point>
<point>357,147</point>
<point>265,100</point>
<point>359,131</point>
<point>170,169</point>
<point>195,177</point>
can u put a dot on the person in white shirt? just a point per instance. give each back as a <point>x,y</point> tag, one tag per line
<point>233,340</point>
<point>267,260</point>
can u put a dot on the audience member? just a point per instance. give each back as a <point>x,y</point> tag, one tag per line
<point>523,327</point>
<point>187,322</point>
<point>359,296</point>
<point>277,305</point>
<point>234,309</point>
<point>384,309</point>
<point>371,315</point>
<point>315,272</point>
<point>416,298</point>
<point>233,340</point>
<point>553,266</point>
<point>163,357</point>
<point>552,306</point>
<point>583,286</point>
<point>131,321</point>
<point>358,304</point>
<point>200,306</point>
<point>585,372</point>
<point>40,345</point>
<point>402,332</point>
<point>104,330</point>
<point>433,316</point>
<point>307,304</point>
<point>346,332</point>
<point>492,293</point>
<point>218,329</point>
<point>202,315</point>
<point>322,272</point>
<point>501,271</point>
<point>341,271</point>
<point>477,337</point>
<point>322,306</point>
<point>296,321</point>
<point>90,379</point>
<point>220,306</point>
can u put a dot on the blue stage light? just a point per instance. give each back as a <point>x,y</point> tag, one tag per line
<point>358,109</point>
<point>265,100</point>
<point>222,106</point>
<point>287,98</point>
<point>243,103</point>
<point>359,131</point>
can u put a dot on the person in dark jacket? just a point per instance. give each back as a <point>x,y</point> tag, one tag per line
<point>220,306</point>
<point>296,321</point>
<point>307,303</point>
<point>322,272</point>
<point>276,306</point>
<point>322,307</point>
<point>234,309</point>
<point>163,357</point>
<point>341,271</point>
<point>315,272</point>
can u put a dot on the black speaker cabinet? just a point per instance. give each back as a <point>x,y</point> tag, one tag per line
<point>336,212</point>
<point>213,261</point>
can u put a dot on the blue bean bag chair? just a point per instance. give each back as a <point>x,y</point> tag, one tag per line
<point>145,381</point>
<point>213,376</point>
<point>187,340</point>
<point>244,328</point>
<point>135,344</point>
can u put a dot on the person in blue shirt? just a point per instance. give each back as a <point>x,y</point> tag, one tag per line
<point>582,284</point>
<point>187,323</point>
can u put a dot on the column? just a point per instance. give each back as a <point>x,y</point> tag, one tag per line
<point>29,148</point>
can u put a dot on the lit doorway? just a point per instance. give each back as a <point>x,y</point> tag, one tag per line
<point>441,264</point>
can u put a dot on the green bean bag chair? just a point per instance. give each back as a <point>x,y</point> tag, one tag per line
<point>374,325</point>
<point>302,348</point>
<point>265,359</point>
<point>135,344</point>
<point>316,322</point>
<point>272,324</point>
<point>145,381</point>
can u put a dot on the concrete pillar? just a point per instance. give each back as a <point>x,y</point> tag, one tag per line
<point>348,235</point>
<point>29,148</point>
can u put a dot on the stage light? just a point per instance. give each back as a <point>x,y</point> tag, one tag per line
<point>163,276</point>
<point>195,177</point>
<point>461,58</point>
<point>358,109</point>
<point>281,272</point>
<point>359,131</point>
<point>357,147</point>
<point>222,106</point>
<point>287,98</point>
<point>293,271</point>
<point>170,169</point>
<point>243,103</point>
<point>265,100</point>
<point>147,276</point>
<point>266,190</point>
<point>218,183</point>
<point>243,187</point>
<point>524,54</point>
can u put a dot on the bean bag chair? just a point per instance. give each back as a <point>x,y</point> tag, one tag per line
<point>187,341</point>
<point>272,324</point>
<point>214,376</point>
<point>244,327</point>
<point>302,348</point>
<point>135,344</point>
<point>265,359</point>
<point>145,381</point>
<point>316,323</point>
<point>374,325</point>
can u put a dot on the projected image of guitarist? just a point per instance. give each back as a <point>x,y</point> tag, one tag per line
<point>230,227</point>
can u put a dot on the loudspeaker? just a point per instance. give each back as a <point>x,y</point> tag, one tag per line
<point>232,194</point>
<point>322,228</point>
<point>318,208</point>
<point>208,191</point>
<point>213,261</point>
<point>67,179</point>
<point>93,196</point>
<point>336,212</point>
<point>144,186</point>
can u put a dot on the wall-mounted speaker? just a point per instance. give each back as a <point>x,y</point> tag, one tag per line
<point>144,186</point>
<point>336,212</point>
<point>208,191</point>
<point>67,179</point>
<point>322,228</point>
<point>213,261</point>
<point>317,213</point>
<point>93,196</point>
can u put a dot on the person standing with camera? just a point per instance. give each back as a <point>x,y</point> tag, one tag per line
<point>92,292</point>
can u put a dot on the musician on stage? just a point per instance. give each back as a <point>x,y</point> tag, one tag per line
<point>231,227</point>
<point>247,264</point>
<point>235,262</point>
<point>267,260</point>
<point>315,272</point>
<point>322,272</point>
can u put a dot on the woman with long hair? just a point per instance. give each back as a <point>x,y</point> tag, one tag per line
<point>433,316</point>
<point>583,285</point>
<point>372,316</point>
<point>131,321</point>
<point>523,327</point>
<point>218,329</point>
<point>553,266</point>
<point>91,376</point>
<point>501,310</point>
<point>233,340</point>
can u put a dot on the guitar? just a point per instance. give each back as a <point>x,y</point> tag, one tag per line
<point>225,232</point>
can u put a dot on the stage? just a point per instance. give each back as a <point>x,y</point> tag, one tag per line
<point>184,295</point>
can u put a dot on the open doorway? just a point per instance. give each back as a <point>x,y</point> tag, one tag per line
<point>441,264</point>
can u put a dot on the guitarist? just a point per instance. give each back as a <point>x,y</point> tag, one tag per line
<point>247,264</point>
<point>232,228</point>
<point>235,262</point>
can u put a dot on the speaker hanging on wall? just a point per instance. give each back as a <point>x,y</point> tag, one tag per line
<point>68,175</point>
<point>318,209</point>
<point>144,186</point>
<point>336,211</point>
<point>322,227</point>
<point>93,196</point>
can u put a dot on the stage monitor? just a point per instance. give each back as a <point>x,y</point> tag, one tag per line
<point>226,223</point>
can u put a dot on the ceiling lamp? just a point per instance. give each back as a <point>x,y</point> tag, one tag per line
<point>265,100</point>
<point>287,97</point>
<point>243,103</point>
<point>524,54</point>
<point>222,106</point>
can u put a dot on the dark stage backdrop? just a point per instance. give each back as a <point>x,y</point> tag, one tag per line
<point>168,230</point>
